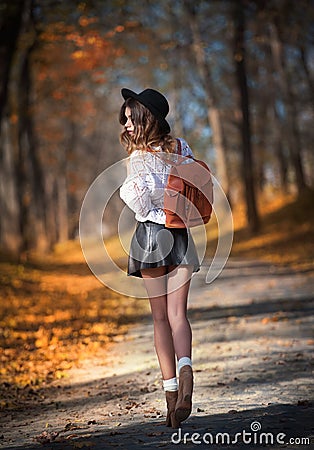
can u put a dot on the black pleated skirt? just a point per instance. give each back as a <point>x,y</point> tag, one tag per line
<point>153,245</point>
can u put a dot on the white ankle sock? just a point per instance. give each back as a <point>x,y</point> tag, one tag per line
<point>170,385</point>
<point>184,361</point>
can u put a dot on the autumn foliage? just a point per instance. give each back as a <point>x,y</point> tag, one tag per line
<point>52,316</point>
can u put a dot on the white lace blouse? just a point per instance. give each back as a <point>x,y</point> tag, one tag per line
<point>143,188</point>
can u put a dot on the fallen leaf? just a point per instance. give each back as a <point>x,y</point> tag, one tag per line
<point>46,437</point>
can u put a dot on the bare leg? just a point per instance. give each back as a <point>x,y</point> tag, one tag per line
<point>177,309</point>
<point>157,292</point>
<point>178,289</point>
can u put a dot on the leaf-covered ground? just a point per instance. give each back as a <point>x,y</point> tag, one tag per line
<point>286,234</point>
<point>53,314</point>
<point>252,359</point>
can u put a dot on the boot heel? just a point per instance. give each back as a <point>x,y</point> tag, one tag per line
<point>175,423</point>
<point>171,399</point>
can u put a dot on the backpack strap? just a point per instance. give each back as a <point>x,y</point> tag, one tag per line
<point>179,147</point>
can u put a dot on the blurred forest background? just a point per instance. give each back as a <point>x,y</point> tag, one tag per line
<point>239,76</point>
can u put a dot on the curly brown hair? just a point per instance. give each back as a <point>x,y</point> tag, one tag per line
<point>148,133</point>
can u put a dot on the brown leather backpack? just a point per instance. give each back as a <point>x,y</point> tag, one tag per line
<point>188,195</point>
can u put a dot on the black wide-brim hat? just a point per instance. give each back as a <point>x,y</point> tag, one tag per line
<point>154,101</point>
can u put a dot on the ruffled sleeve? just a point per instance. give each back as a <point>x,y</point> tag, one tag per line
<point>135,191</point>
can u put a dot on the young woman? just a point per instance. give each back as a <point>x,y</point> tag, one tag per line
<point>164,258</point>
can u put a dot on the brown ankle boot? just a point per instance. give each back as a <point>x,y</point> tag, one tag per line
<point>184,402</point>
<point>171,398</point>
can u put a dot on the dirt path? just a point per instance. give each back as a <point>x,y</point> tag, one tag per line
<point>253,362</point>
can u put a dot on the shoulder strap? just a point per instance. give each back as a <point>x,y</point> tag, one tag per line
<point>179,148</point>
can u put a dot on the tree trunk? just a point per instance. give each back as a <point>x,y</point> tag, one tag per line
<point>291,131</point>
<point>214,117</point>
<point>280,143</point>
<point>10,236</point>
<point>307,72</point>
<point>26,173</point>
<point>279,151</point>
<point>247,157</point>
<point>10,29</point>
<point>51,208</point>
<point>62,208</point>
<point>34,228</point>
<point>177,84</point>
